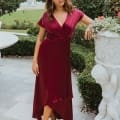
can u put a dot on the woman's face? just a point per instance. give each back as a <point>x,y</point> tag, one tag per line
<point>59,3</point>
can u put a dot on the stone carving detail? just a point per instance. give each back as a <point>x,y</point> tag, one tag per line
<point>106,72</point>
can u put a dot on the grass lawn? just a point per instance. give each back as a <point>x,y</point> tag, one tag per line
<point>11,30</point>
<point>28,15</point>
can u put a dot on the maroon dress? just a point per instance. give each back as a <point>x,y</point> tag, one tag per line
<point>53,84</point>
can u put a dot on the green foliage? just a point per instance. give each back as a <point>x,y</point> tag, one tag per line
<point>77,60</point>
<point>92,8</point>
<point>107,24</point>
<point>111,7</point>
<point>33,30</point>
<point>9,5</point>
<point>91,91</point>
<point>18,25</point>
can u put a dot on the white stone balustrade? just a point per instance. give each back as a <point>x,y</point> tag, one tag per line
<point>106,72</point>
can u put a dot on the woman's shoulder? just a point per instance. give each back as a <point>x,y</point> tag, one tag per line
<point>43,18</point>
<point>77,13</point>
<point>77,10</point>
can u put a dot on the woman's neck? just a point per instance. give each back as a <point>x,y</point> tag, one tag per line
<point>59,9</point>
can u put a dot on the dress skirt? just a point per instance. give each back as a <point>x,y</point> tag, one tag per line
<point>53,84</point>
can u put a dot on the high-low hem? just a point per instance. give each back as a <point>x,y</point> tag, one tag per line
<point>59,113</point>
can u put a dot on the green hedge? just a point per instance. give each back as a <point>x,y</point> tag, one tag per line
<point>33,30</point>
<point>18,25</point>
<point>77,61</point>
<point>90,90</point>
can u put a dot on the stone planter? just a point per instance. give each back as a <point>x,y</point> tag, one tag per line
<point>106,72</point>
<point>6,39</point>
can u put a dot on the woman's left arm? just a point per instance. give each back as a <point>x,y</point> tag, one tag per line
<point>89,31</point>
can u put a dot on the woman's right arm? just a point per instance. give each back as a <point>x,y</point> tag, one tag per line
<point>39,40</point>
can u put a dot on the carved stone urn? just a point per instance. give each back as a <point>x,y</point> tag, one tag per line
<point>106,72</point>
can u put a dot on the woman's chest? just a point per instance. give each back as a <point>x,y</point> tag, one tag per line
<point>53,25</point>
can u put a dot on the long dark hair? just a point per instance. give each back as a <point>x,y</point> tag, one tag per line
<point>50,6</point>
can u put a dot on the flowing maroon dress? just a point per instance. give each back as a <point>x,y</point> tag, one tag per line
<point>53,84</point>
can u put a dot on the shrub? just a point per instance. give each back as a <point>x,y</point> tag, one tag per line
<point>33,30</point>
<point>5,26</point>
<point>18,25</point>
<point>77,61</point>
<point>92,8</point>
<point>90,90</point>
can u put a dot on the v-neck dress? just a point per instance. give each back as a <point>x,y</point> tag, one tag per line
<point>53,84</point>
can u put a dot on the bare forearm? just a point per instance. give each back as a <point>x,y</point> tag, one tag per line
<point>36,50</point>
<point>89,31</point>
<point>39,40</point>
<point>86,20</point>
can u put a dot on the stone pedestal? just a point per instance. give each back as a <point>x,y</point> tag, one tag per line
<point>106,72</point>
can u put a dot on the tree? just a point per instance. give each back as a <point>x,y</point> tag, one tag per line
<point>111,7</point>
<point>9,5</point>
<point>92,8</point>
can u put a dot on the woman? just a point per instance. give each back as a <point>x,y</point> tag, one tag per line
<point>51,61</point>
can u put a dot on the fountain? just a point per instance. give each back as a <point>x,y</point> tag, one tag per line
<point>31,4</point>
<point>7,39</point>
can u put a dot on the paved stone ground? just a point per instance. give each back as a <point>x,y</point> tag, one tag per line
<point>17,87</point>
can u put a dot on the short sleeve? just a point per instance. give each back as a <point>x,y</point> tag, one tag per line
<point>80,14</point>
<point>41,21</point>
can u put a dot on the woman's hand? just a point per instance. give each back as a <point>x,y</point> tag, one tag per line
<point>89,33</point>
<point>35,68</point>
